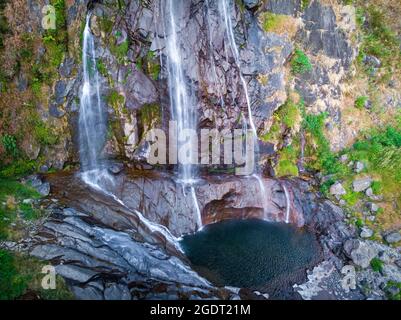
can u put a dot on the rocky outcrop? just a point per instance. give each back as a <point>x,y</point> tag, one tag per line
<point>99,262</point>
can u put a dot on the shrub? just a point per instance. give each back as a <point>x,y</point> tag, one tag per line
<point>360,102</point>
<point>18,168</point>
<point>359,223</point>
<point>326,160</point>
<point>10,145</point>
<point>271,21</point>
<point>300,63</point>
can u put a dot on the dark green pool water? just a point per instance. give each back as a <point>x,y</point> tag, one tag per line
<point>250,253</point>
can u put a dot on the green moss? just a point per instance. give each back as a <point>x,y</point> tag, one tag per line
<point>377,187</point>
<point>377,264</point>
<point>42,132</point>
<point>106,25</point>
<point>286,117</point>
<point>304,4</point>
<point>101,67</point>
<point>351,198</point>
<point>116,101</point>
<point>271,21</point>
<point>300,63</point>
<point>289,113</point>
<point>153,65</point>
<point>359,223</point>
<point>149,114</point>
<point>120,51</point>
<point>287,163</point>
<point>56,41</point>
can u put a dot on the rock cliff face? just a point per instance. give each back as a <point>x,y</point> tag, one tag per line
<point>130,46</point>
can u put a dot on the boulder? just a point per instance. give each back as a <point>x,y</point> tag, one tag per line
<point>44,189</point>
<point>361,253</point>
<point>362,184</point>
<point>373,207</point>
<point>393,237</point>
<point>372,61</point>
<point>359,167</point>
<point>337,189</point>
<point>366,233</point>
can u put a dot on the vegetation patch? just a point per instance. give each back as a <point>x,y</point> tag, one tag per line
<point>300,63</point>
<point>12,207</point>
<point>377,265</point>
<point>149,115</point>
<point>378,40</point>
<point>277,23</point>
<point>287,163</point>
<point>21,274</point>
<point>360,102</point>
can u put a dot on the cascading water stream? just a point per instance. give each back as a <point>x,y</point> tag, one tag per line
<point>92,120</point>
<point>225,12</point>
<point>182,100</point>
<point>92,134</point>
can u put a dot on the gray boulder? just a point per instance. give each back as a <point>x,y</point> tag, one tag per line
<point>337,189</point>
<point>366,233</point>
<point>359,167</point>
<point>393,237</point>
<point>362,184</point>
<point>373,207</point>
<point>44,189</point>
<point>361,253</point>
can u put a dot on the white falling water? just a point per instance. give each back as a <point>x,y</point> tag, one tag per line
<point>225,12</point>
<point>182,100</point>
<point>92,120</point>
<point>287,203</point>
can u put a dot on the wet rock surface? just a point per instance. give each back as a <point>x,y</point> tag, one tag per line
<point>118,247</point>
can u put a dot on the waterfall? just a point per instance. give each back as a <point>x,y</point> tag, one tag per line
<point>92,120</point>
<point>225,12</point>
<point>182,98</point>
<point>287,203</point>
